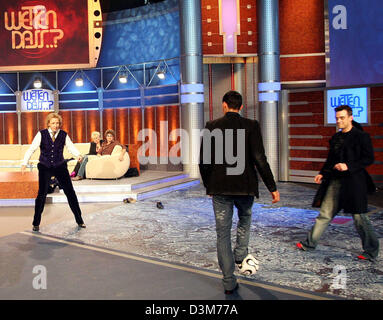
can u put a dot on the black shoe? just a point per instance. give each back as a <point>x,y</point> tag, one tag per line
<point>160,205</point>
<point>36,228</point>
<point>81,225</point>
<point>232,290</point>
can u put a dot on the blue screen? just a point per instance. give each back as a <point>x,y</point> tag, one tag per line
<point>356,98</point>
<point>356,42</point>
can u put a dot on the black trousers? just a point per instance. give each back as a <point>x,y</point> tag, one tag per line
<point>62,175</point>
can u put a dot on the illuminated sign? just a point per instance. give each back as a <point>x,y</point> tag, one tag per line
<point>49,34</point>
<point>37,100</point>
<point>356,98</point>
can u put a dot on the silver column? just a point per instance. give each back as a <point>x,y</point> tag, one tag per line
<point>269,78</point>
<point>192,98</point>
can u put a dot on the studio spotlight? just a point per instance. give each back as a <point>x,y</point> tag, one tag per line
<point>161,75</point>
<point>123,78</point>
<point>79,82</point>
<point>37,84</point>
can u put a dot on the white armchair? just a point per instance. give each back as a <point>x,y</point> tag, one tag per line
<point>108,166</point>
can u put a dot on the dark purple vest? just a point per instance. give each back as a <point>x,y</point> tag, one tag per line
<point>51,153</point>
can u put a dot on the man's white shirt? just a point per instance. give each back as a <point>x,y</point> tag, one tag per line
<point>37,141</point>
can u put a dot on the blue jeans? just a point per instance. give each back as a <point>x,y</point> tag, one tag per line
<point>328,211</point>
<point>223,210</point>
<point>81,171</point>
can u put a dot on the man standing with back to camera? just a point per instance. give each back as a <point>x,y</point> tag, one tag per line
<point>345,184</point>
<point>231,187</point>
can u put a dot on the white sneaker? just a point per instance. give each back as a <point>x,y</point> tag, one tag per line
<point>248,266</point>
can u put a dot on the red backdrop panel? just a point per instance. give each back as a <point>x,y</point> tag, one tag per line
<point>79,127</point>
<point>161,116</point>
<point>135,125</point>
<point>150,123</point>
<point>122,125</point>
<point>108,120</point>
<point>11,135</point>
<point>67,122</point>
<point>92,122</point>
<point>28,127</point>
<point>303,68</point>
<point>301,26</point>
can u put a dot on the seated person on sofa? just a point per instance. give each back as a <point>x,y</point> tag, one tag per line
<point>108,145</point>
<point>95,145</point>
<point>106,149</point>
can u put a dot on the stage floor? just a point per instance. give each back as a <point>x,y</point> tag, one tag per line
<point>183,234</point>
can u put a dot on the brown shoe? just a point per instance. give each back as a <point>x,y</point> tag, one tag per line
<point>76,178</point>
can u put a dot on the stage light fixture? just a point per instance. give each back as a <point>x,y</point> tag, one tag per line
<point>123,78</point>
<point>37,84</point>
<point>161,74</point>
<point>79,82</point>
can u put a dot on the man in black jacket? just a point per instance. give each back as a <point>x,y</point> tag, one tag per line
<point>344,184</point>
<point>231,180</point>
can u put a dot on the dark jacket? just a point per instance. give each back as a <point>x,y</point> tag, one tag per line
<point>215,175</point>
<point>357,153</point>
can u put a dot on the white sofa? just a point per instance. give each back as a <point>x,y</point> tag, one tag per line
<point>98,167</point>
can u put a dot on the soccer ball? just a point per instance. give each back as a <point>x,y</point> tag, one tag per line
<point>249,266</point>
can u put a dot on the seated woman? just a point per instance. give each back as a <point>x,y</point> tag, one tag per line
<point>79,171</point>
<point>108,145</point>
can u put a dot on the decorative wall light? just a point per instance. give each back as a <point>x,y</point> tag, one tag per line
<point>122,78</point>
<point>37,84</point>
<point>79,82</point>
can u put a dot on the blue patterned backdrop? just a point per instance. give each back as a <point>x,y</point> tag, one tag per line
<point>142,34</point>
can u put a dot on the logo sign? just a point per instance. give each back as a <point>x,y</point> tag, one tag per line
<point>37,100</point>
<point>356,98</point>
<point>49,34</point>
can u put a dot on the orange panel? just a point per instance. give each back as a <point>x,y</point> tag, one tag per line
<point>93,122</point>
<point>162,135</point>
<point>79,127</point>
<point>303,68</point>
<point>28,127</point>
<point>2,127</point>
<point>108,120</point>
<point>41,116</point>
<point>67,122</point>
<point>135,125</point>
<point>150,124</point>
<point>301,26</point>
<point>122,125</point>
<point>11,132</point>
<point>173,123</point>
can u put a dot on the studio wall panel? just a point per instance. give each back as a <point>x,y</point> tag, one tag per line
<point>93,122</point>
<point>67,122</point>
<point>108,120</point>
<point>122,125</point>
<point>150,124</point>
<point>79,127</point>
<point>135,125</point>
<point>303,68</point>
<point>28,127</point>
<point>2,129</point>
<point>11,134</point>
<point>161,123</point>
<point>174,123</point>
